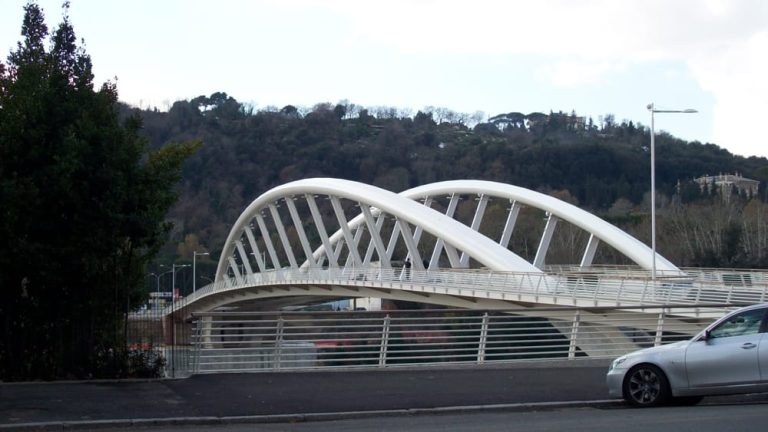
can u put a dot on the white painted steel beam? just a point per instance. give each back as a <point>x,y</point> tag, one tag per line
<point>299,226</point>
<point>345,229</point>
<point>359,230</point>
<point>236,271</point>
<point>255,248</point>
<point>376,241</point>
<point>440,243</point>
<point>589,252</point>
<point>546,239</point>
<point>393,240</point>
<point>509,225</point>
<point>411,244</point>
<point>476,221</point>
<point>283,236</point>
<point>244,258</point>
<point>267,241</point>
<point>321,231</point>
<point>371,247</point>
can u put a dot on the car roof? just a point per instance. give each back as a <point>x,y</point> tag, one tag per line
<point>755,306</point>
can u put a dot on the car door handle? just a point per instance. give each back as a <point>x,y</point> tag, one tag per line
<point>748,345</point>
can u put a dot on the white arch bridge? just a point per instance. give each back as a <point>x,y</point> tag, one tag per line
<point>450,243</point>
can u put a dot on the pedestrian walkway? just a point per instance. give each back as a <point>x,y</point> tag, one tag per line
<point>231,396</point>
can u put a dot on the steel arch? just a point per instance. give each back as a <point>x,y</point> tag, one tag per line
<point>631,247</point>
<point>457,236</point>
<point>453,232</point>
<point>600,230</point>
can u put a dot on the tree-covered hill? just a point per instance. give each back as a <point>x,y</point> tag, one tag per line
<point>603,165</point>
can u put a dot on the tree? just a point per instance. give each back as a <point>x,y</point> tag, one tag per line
<point>189,246</point>
<point>83,211</point>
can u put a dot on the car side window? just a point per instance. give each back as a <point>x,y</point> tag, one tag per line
<point>745,323</point>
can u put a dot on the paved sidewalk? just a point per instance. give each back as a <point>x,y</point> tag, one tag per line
<point>289,394</point>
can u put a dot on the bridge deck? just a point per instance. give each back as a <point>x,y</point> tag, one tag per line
<point>478,289</point>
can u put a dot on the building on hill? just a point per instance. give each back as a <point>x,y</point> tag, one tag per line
<point>726,183</point>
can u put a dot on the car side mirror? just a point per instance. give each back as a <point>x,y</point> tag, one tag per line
<point>707,336</point>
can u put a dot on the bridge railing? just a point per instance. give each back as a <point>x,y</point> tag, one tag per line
<point>255,342</point>
<point>574,288</point>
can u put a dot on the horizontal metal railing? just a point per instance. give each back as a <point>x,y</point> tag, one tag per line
<point>252,342</point>
<point>597,287</point>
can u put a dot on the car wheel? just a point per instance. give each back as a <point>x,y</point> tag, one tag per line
<point>646,385</point>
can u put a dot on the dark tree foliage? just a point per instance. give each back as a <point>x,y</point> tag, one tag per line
<point>247,154</point>
<point>83,210</point>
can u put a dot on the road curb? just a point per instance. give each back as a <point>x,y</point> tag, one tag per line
<point>292,418</point>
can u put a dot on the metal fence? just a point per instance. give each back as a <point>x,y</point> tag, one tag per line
<point>159,344</point>
<point>272,341</point>
<point>598,313</point>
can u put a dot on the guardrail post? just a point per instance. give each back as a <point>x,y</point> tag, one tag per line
<point>619,292</point>
<point>198,342</point>
<point>483,339</point>
<point>645,289</point>
<point>384,342</point>
<point>174,351</point>
<point>574,334</point>
<point>594,295</point>
<point>279,343</point>
<point>659,329</point>
<point>574,285</point>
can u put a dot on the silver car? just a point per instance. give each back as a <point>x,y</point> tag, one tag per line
<point>728,357</point>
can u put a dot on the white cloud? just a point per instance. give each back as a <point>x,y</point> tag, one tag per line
<point>723,43</point>
<point>737,77</point>
<point>186,46</point>
<point>571,73</point>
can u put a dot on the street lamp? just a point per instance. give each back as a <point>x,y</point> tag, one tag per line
<point>652,108</point>
<point>173,287</point>
<point>157,281</point>
<point>194,271</point>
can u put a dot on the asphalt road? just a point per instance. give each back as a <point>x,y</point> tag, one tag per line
<point>717,417</point>
<point>289,397</point>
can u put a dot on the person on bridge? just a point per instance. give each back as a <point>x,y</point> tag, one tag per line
<point>408,268</point>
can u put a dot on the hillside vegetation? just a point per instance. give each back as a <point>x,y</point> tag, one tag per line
<point>602,166</point>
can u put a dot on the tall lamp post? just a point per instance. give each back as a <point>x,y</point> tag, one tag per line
<point>173,287</point>
<point>652,108</point>
<point>194,271</point>
<point>157,281</point>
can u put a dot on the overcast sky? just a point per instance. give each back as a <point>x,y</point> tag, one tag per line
<point>595,57</point>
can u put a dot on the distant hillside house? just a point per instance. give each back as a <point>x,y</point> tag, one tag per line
<point>727,182</point>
